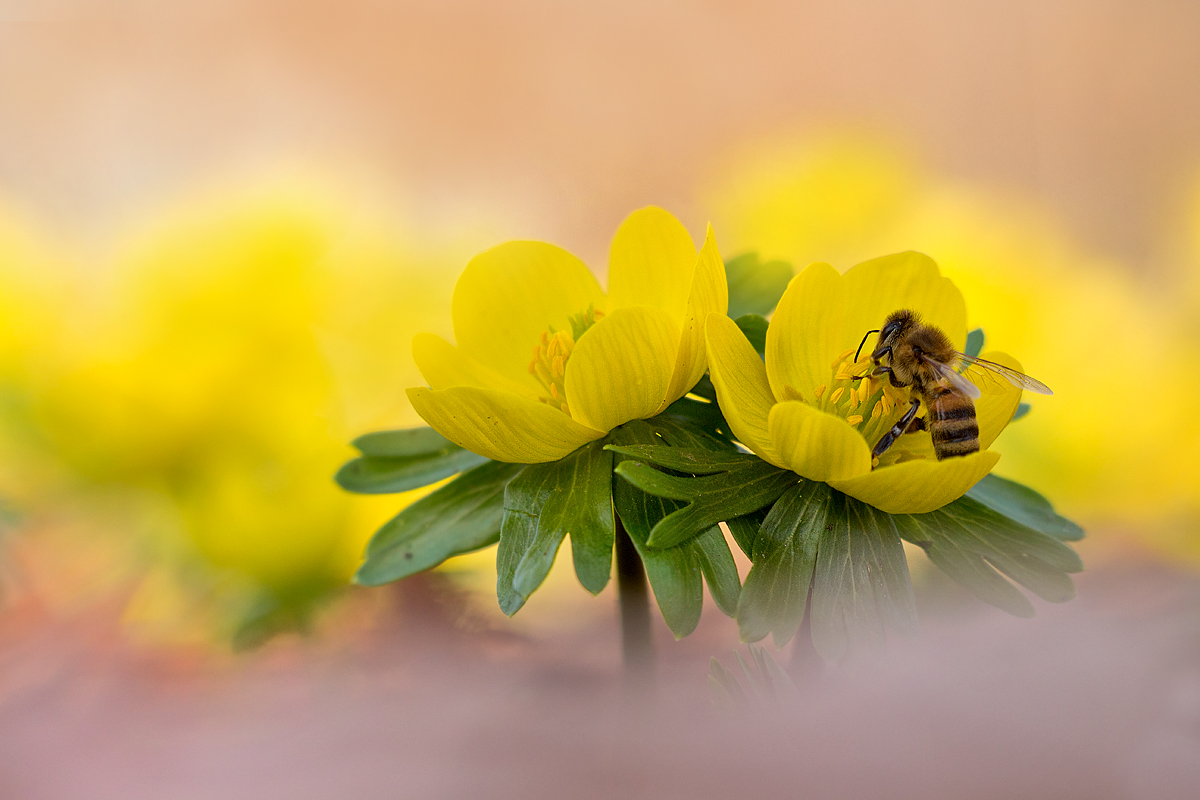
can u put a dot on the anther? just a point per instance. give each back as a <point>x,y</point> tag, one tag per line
<point>820,391</point>
<point>854,419</point>
<point>837,394</point>
<point>877,410</point>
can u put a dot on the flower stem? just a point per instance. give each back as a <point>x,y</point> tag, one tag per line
<point>636,646</point>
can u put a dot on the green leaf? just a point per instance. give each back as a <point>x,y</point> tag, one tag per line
<point>676,574</point>
<point>754,328</point>
<point>270,616</point>
<point>745,530</point>
<point>404,442</point>
<point>397,461</point>
<point>785,552</point>
<point>726,690</point>
<point>691,460</point>
<point>664,430</point>
<point>755,286</point>
<point>1024,505</point>
<point>973,544</point>
<point>861,587</point>
<point>1022,410</point>
<point>974,343</point>
<point>581,504</point>
<point>462,516</point>
<point>703,388</point>
<point>766,682</point>
<point>699,415</point>
<point>719,569</point>
<point>731,485</point>
<point>544,504</point>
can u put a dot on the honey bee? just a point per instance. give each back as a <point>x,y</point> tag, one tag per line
<point>920,355</point>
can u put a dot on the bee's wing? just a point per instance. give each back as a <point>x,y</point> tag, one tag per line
<point>958,381</point>
<point>1018,379</point>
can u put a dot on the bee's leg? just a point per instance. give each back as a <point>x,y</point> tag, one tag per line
<point>897,430</point>
<point>878,371</point>
<point>882,370</point>
<point>918,424</point>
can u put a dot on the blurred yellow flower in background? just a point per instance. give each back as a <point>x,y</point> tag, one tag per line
<point>1081,324</point>
<point>226,355</point>
<point>37,289</point>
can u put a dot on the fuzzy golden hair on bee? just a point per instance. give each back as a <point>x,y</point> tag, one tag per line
<point>912,354</point>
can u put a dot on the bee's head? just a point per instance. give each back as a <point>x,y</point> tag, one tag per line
<point>894,328</point>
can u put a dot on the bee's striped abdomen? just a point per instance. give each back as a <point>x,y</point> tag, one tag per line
<point>952,423</point>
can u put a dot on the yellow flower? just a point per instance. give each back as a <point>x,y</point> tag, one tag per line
<point>547,362</point>
<point>246,334</point>
<point>800,410</point>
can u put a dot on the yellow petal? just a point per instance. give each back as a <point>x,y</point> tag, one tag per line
<point>917,487</point>
<point>621,367</point>
<point>804,335</point>
<point>817,445</point>
<point>443,365</point>
<point>509,295</point>
<point>500,425</point>
<point>910,280</point>
<point>710,294</point>
<point>651,263</point>
<point>740,378</point>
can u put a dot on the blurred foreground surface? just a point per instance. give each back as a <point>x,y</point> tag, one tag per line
<point>1097,698</point>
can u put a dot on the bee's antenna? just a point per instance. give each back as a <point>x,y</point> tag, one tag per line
<point>860,344</point>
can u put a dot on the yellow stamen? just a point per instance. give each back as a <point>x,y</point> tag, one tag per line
<point>854,419</point>
<point>820,391</point>
<point>877,410</point>
<point>886,401</point>
<point>549,364</point>
<point>837,394</point>
<point>843,372</point>
<point>845,354</point>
